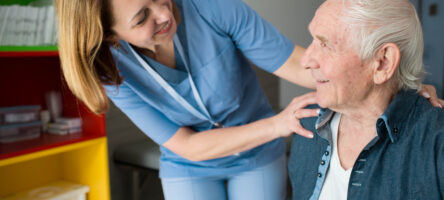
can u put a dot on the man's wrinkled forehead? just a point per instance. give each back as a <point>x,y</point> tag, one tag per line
<point>327,22</point>
<point>327,13</point>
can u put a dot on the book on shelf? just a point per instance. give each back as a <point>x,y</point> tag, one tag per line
<point>28,25</point>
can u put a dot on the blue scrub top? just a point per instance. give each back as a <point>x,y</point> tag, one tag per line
<point>218,37</point>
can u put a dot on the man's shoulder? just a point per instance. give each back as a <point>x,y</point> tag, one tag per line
<point>428,118</point>
<point>427,112</point>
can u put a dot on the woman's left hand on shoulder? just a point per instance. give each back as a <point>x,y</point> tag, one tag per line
<point>288,121</point>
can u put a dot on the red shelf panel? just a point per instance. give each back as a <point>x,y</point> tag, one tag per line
<point>25,81</point>
<point>29,54</point>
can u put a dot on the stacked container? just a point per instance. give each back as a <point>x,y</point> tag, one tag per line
<point>19,123</point>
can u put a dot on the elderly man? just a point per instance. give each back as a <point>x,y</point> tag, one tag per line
<point>376,137</point>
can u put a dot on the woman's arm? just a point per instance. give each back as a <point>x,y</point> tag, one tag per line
<point>216,143</point>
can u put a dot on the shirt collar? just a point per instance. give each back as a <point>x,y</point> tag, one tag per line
<point>325,116</point>
<point>390,123</point>
<point>395,116</point>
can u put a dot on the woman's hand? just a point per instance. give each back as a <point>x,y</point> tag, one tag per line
<point>429,92</point>
<point>287,121</point>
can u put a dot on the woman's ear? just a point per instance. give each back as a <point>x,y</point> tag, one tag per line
<point>386,62</point>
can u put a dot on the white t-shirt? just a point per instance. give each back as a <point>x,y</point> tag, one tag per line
<point>336,181</point>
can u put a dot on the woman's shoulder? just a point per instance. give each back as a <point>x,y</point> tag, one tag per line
<point>215,7</point>
<point>213,2</point>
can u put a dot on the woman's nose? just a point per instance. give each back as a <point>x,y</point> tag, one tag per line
<point>162,13</point>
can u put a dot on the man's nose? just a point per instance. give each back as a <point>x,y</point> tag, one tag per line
<point>308,60</point>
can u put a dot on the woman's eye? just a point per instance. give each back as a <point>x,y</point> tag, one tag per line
<point>143,18</point>
<point>141,21</point>
<point>323,44</point>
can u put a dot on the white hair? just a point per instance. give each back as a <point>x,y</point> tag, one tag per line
<point>376,22</point>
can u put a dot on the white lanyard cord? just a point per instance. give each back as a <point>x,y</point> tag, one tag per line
<point>193,85</point>
<point>173,92</point>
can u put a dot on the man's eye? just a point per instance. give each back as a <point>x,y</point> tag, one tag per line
<point>323,44</point>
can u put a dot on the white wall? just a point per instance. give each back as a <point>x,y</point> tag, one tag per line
<point>291,17</point>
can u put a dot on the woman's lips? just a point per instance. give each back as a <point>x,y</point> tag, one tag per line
<point>166,28</point>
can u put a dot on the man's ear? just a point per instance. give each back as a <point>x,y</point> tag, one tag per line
<point>386,62</point>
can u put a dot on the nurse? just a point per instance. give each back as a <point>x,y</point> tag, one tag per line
<point>178,69</point>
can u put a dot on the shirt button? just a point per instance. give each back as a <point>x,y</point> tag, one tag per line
<point>319,175</point>
<point>322,162</point>
<point>326,153</point>
<point>395,130</point>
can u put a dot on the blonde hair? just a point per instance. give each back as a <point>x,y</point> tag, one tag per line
<point>86,59</point>
<point>84,49</point>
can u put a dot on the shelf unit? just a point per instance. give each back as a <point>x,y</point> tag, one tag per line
<point>27,74</point>
<point>82,158</point>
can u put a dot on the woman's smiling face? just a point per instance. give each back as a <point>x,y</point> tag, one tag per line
<point>144,23</point>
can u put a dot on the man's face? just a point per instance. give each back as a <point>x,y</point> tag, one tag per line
<point>342,78</point>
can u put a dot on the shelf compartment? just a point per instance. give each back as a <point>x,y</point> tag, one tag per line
<point>82,162</point>
<point>32,78</point>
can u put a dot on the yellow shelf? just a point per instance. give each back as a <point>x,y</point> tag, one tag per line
<point>49,152</point>
<point>83,162</point>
